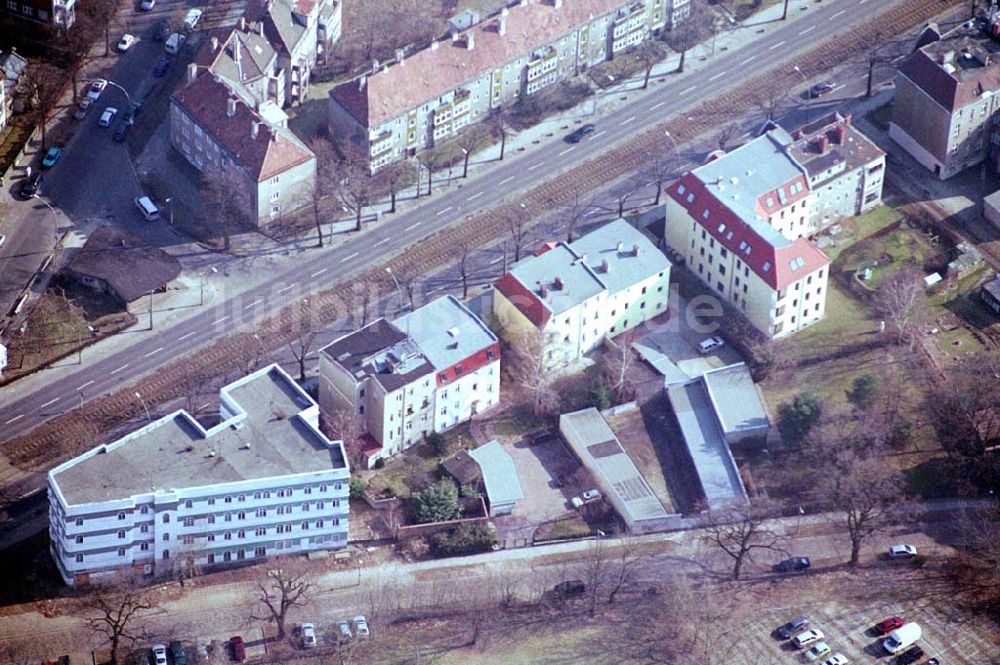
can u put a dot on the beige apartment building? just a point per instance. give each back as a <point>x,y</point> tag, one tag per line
<point>572,296</point>
<point>417,100</point>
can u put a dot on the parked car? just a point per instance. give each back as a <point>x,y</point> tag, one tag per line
<point>570,588</point>
<point>902,638</point>
<point>888,625</point>
<point>344,630</point>
<point>125,43</point>
<point>31,186</point>
<point>108,116</point>
<point>3,239</point>
<point>239,648</point>
<point>308,636</point>
<point>589,496</point>
<point>96,88</point>
<point>911,655</point>
<point>192,18</point>
<point>146,5</point>
<point>902,551</point>
<point>361,627</point>
<point>579,134</point>
<point>807,637</point>
<point>121,132</point>
<point>820,89</point>
<point>817,651</point>
<point>52,156</point>
<point>161,67</point>
<point>836,659</point>
<point>793,627</point>
<point>795,563</point>
<point>174,43</point>
<point>177,653</point>
<point>160,654</point>
<point>83,108</point>
<point>542,437</point>
<point>706,346</point>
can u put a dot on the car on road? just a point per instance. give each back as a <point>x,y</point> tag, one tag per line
<point>706,346</point>
<point>344,630</point>
<point>579,134</point>
<point>3,239</point>
<point>161,67</point>
<point>820,89</point>
<point>795,563</point>
<point>902,551</point>
<point>589,496</point>
<point>796,625</point>
<point>108,116</point>
<point>361,627</point>
<point>817,651</point>
<point>177,653</point>
<point>147,5</point>
<point>807,637</point>
<point>308,636</point>
<point>125,43</point>
<point>911,655</point>
<point>30,186</point>
<point>160,654</point>
<point>239,649</point>
<point>886,626</point>
<point>192,18</point>
<point>121,132</point>
<point>83,108</point>
<point>836,659</point>
<point>51,157</point>
<point>96,88</point>
<point>570,588</point>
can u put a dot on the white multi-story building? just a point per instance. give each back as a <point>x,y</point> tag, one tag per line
<point>426,97</point>
<point>264,481</point>
<point>60,14</point>
<point>425,372</point>
<point>572,296</point>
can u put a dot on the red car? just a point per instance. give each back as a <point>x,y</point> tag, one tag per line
<point>239,649</point>
<point>888,625</point>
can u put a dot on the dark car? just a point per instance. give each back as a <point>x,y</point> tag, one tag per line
<point>132,112</point>
<point>886,626</point>
<point>121,133</point>
<point>581,133</point>
<point>820,89</point>
<point>795,563</point>
<point>570,588</point>
<point>31,186</point>
<point>911,655</point>
<point>793,627</point>
<point>239,648</point>
<point>161,67</point>
<point>177,653</point>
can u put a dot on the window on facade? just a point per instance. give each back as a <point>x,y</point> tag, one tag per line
<point>79,539</point>
<point>319,524</point>
<point>121,516</point>
<point>145,509</point>
<point>259,551</point>
<point>241,497</point>
<point>79,558</point>
<point>261,531</point>
<point>211,537</point>
<point>211,501</point>
<point>228,499</point>
<point>305,507</point>
<point>305,526</point>
<point>308,490</point>
<point>188,540</point>
<point>144,547</point>
<point>241,534</point>
<point>188,521</point>
<point>166,519</point>
<point>79,521</point>
<point>166,536</point>
<point>262,512</point>
<point>227,536</point>
<point>143,528</point>
<point>211,558</point>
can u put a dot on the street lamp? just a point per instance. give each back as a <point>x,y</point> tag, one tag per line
<point>399,290</point>
<point>808,94</point>
<point>170,201</point>
<point>79,346</point>
<point>201,294</point>
<point>55,215</point>
<point>138,396</point>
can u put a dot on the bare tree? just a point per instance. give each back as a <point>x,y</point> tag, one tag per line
<point>660,164</point>
<point>469,141</point>
<point>769,102</point>
<point>628,189</point>
<point>323,184</point>
<point>430,160</point>
<point>976,569</point>
<point>573,212</point>
<point>42,82</point>
<point>874,58</point>
<point>226,200</point>
<point>901,300</point>
<point>739,529</point>
<point>463,258</point>
<point>594,570</point>
<point>101,13</point>
<point>727,133</point>
<point>649,53</point>
<point>963,406</point>
<point>116,612</point>
<point>517,226</point>
<point>528,366</point>
<point>697,27</point>
<point>623,568</point>
<point>617,362</point>
<point>499,121</point>
<point>281,590</point>
<point>355,186</point>
<point>301,346</point>
<point>392,178</point>
<point>250,353</point>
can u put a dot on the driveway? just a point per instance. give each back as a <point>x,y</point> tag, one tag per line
<point>538,467</point>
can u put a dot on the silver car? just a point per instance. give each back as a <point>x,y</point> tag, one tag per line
<point>344,630</point>
<point>361,627</point>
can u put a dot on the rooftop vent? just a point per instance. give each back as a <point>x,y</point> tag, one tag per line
<point>557,283</point>
<point>453,332</point>
<point>343,356</point>
<point>635,249</point>
<point>619,246</point>
<point>605,266</point>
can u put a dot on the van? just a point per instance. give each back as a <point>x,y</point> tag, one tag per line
<point>147,208</point>
<point>174,43</point>
<point>902,638</point>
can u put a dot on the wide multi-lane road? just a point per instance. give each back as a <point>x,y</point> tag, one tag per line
<point>21,412</point>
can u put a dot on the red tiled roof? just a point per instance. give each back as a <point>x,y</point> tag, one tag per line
<point>429,73</point>
<point>270,153</point>
<point>525,301</point>
<point>476,361</point>
<point>779,273</point>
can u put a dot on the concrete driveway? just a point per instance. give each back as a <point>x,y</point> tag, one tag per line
<point>539,467</point>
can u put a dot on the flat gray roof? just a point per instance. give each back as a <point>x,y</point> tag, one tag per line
<point>590,437</point>
<point>446,331</point>
<point>267,435</point>
<point>499,473</point>
<point>577,282</point>
<point>735,398</point>
<point>617,243</point>
<point>713,462</point>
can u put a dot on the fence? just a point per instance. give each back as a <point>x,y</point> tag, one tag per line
<point>468,505</point>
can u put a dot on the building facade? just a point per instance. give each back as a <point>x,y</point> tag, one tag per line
<point>218,132</point>
<point>60,14</point>
<point>399,381</point>
<point>420,99</point>
<point>741,223</point>
<point>173,495</point>
<point>572,296</point>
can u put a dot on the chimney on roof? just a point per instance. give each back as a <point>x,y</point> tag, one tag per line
<point>543,291</point>
<point>605,266</point>
<point>230,107</point>
<point>618,247</point>
<point>470,40</point>
<point>557,283</point>
<point>841,133</point>
<point>502,22</point>
<point>822,143</point>
<point>215,44</point>
<point>192,72</point>
<point>254,129</point>
<point>848,120</point>
<point>434,45</point>
<point>635,249</point>
<point>361,83</point>
<point>454,37</point>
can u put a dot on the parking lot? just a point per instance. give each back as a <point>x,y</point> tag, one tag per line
<point>540,467</point>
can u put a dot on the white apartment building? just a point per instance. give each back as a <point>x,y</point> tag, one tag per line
<point>425,97</point>
<point>264,481</point>
<point>741,222</point>
<point>425,372</point>
<point>574,295</point>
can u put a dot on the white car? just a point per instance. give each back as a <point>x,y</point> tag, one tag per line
<point>96,88</point>
<point>147,5</point>
<point>3,239</point>
<point>125,43</point>
<point>107,117</point>
<point>160,654</point>
<point>836,659</point>
<point>344,631</point>
<point>902,551</point>
<point>361,627</point>
<point>808,637</point>
<point>587,497</point>
<point>711,344</point>
<point>308,636</point>
<point>191,18</point>
<point>83,108</point>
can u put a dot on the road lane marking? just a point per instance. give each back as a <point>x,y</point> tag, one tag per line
<point>412,226</point>
<point>218,321</point>
<point>842,11</point>
<point>115,371</point>
<point>862,2</point>
<point>85,385</point>
<point>594,136</point>
<point>282,290</point>
<point>153,352</point>
<point>626,121</point>
<point>253,304</point>
<point>687,90</point>
<point>778,45</point>
<point>508,179</point>
<point>496,260</point>
<point>569,149</point>
<point>715,76</point>
<point>443,211</point>
<point>49,403</point>
<point>14,419</point>
<point>476,195</point>
<point>749,58</point>
<point>534,166</point>
<point>193,332</point>
<point>317,273</point>
<point>809,29</point>
<point>383,241</point>
<point>656,106</point>
<point>348,258</point>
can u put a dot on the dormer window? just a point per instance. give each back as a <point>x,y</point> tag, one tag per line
<point>769,202</point>
<point>691,197</point>
<point>766,266</point>
<point>722,227</point>
<point>704,214</point>
<point>681,189</point>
